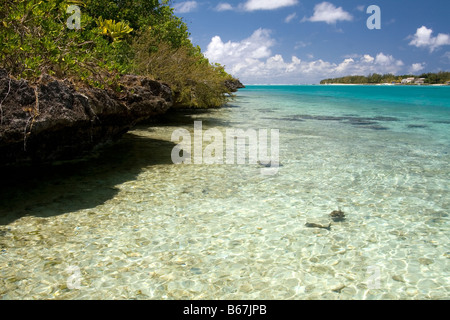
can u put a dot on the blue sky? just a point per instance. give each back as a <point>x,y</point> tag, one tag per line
<point>304,41</point>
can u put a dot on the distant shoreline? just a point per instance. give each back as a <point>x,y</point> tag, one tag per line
<point>439,78</point>
<point>353,84</point>
<point>386,84</point>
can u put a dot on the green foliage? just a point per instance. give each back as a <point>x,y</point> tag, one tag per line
<point>38,41</point>
<point>116,37</point>
<point>166,27</point>
<point>195,81</point>
<point>116,31</point>
<point>436,78</point>
<point>135,12</point>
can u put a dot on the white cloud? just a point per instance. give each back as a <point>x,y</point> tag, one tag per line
<point>367,58</point>
<point>384,60</point>
<point>424,39</point>
<point>252,61</point>
<point>344,65</point>
<point>290,17</point>
<point>365,64</point>
<point>236,55</point>
<point>224,7</point>
<point>185,7</point>
<point>252,5</point>
<point>329,13</point>
<point>361,8</point>
<point>417,67</point>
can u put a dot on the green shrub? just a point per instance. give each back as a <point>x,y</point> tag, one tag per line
<point>116,31</point>
<point>116,37</point>
<point>36,41</point>
<point>195,81</point>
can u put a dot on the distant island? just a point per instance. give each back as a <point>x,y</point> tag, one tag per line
<point>440,78</point>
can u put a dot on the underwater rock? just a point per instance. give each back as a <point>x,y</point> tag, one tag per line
<point>270,164</point>
<point>425,261</point>
<point>387,119</point>
<point>319,226</point>
<point>320,118</point>
<point>292,118</point>
<point>442,121</point>
<point>339,288</point>
<point>375,127</point>
<point>361,122</point>
<point>337,216</point>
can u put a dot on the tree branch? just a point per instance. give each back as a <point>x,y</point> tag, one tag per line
<point>1,103</point>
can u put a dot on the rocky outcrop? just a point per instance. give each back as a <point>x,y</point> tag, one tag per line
<point>234,85</point>
<point>53,120</point>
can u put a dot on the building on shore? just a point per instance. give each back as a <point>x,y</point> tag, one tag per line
<point>408,80</point>
<point>419,81</point>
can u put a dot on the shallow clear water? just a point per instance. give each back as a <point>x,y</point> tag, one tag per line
<point>128,224</point>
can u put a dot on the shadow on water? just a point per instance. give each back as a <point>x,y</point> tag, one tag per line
<point>55,189</point>
<point>185,117</point>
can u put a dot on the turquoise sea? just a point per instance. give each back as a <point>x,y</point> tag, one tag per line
<point>126,223</point>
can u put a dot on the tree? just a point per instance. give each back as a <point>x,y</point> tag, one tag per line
<point>116,37</point>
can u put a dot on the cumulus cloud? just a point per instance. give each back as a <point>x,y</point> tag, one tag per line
<point>252,5</point>
<point>253,61</point>
<point>329,13</point>
<point>224,7</point>
<point>367,58</point>
<point>386,60</point>
<point>238,55</point>
<point>185,7</point>
<point>417,67</point>
<point>365,64</point>
<point>424,39</point>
